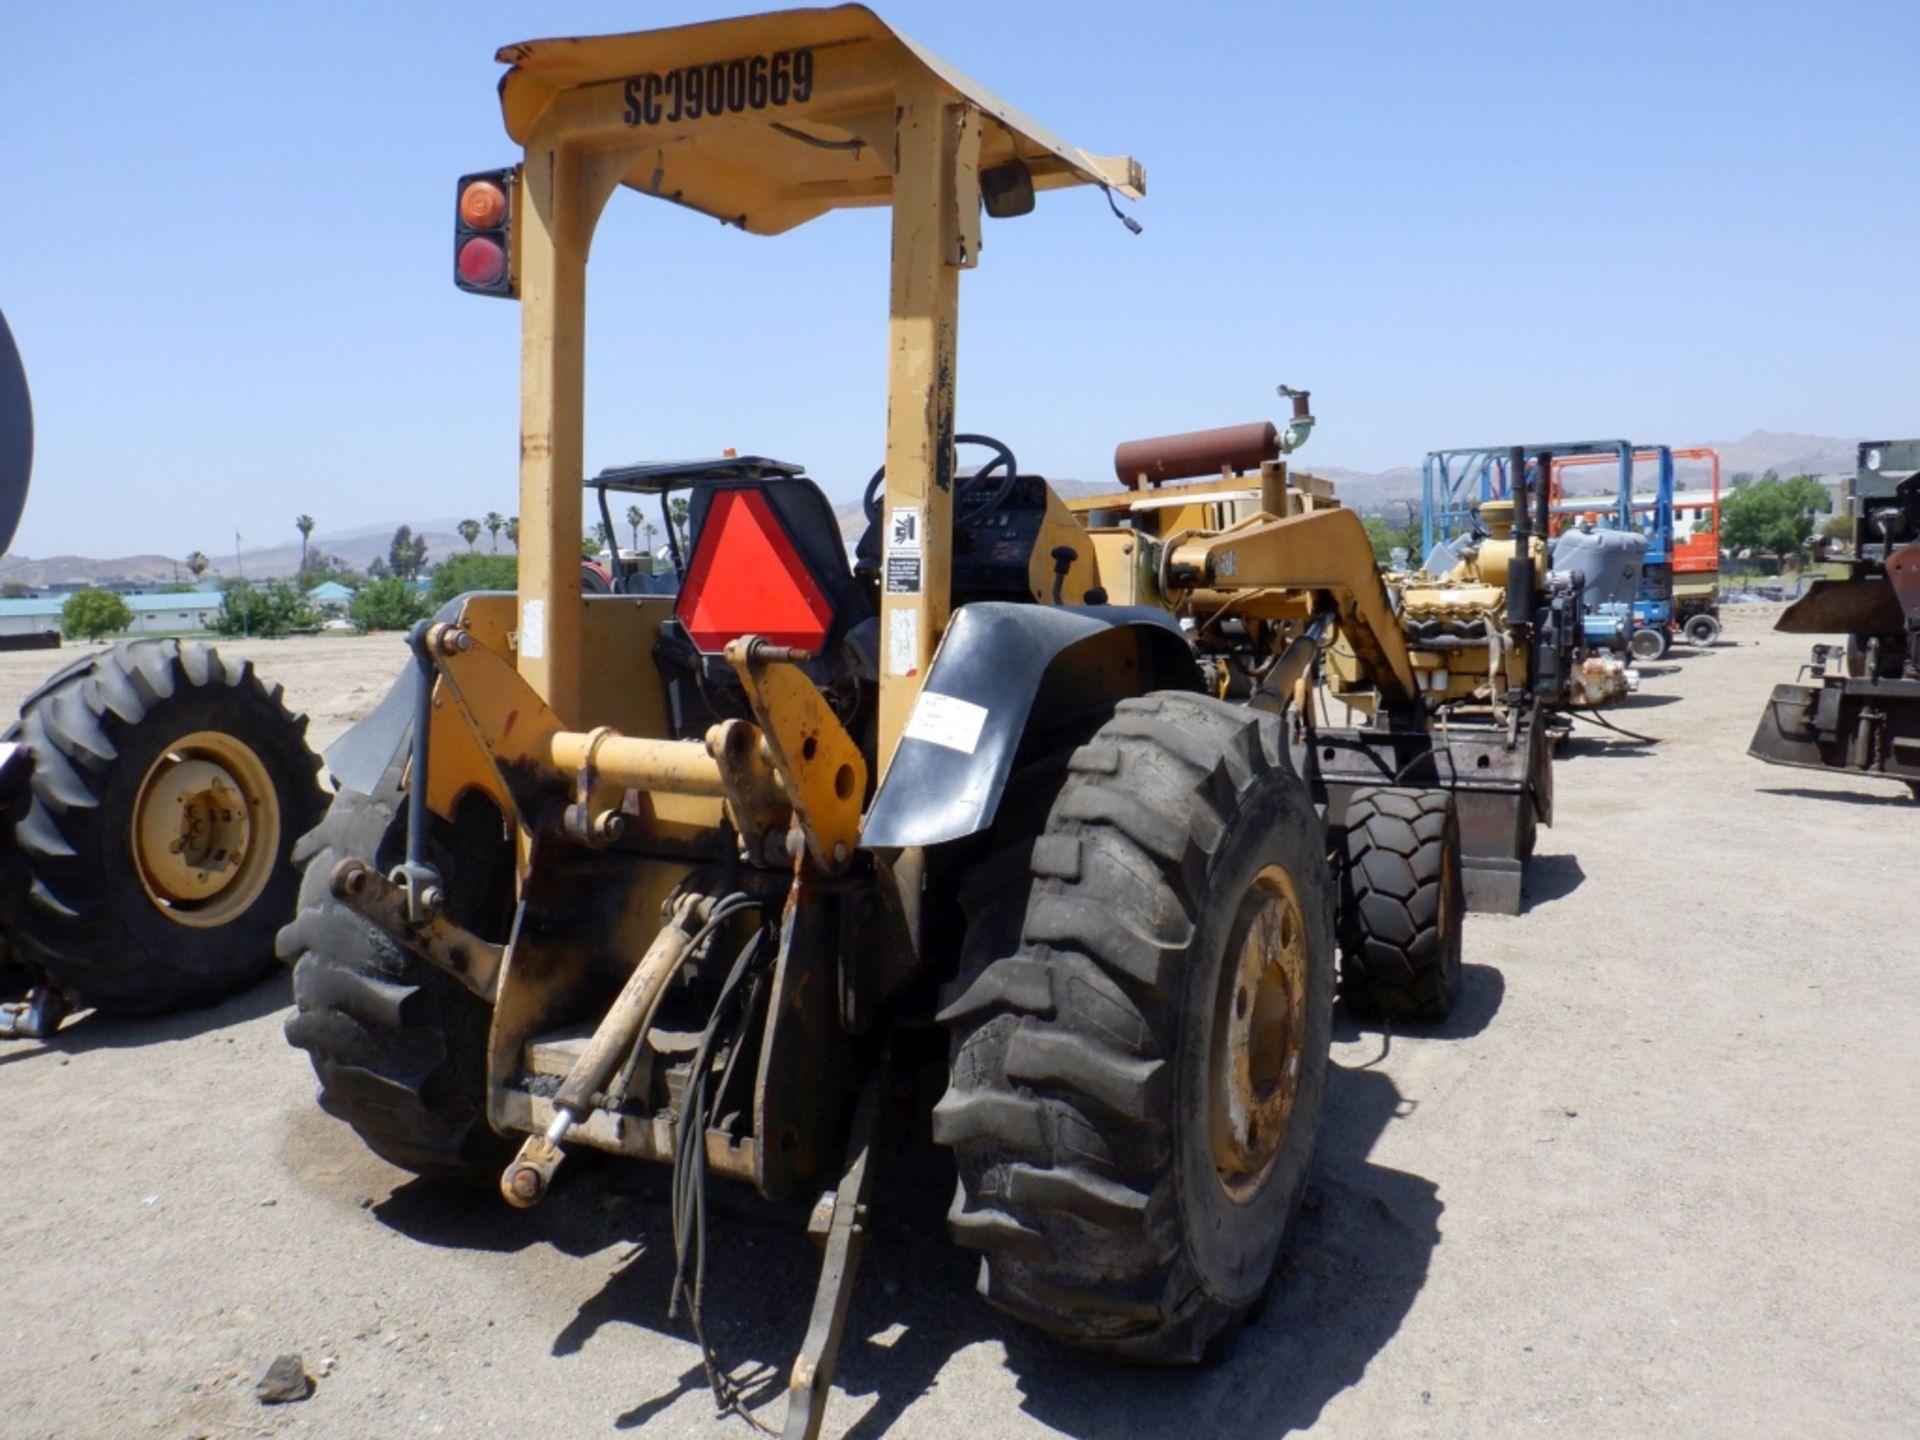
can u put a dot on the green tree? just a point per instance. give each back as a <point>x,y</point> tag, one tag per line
<point>391,604</point>
<point>495,523</point>
<point>651,531</point>
<point>677,512</point>
<point>304,524</point>
<point>461,573</point>
<point>13,590</point>
<point>635,519</point>
<point>275,610</point>
<point>1773,516</point>
<point>469,531</point>
<point>198,564</point>
<point>1384,536</point>
<point>1837,529</point>
<point>407,553</point>
<point>513,531</point>
<point>90,614</point>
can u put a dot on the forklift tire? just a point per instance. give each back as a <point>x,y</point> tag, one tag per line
<point>136,756</point>
<point>1402,900</point>
<point>399,1046</point>
<point>1140,1030</point>
<point>1648,643</point>
<point>1702,630</point>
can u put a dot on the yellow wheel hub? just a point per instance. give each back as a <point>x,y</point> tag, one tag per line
<point>206,829</point>
<point>1259,1031</point>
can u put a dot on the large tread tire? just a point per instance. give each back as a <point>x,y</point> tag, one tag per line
<point>87,919</point>
<point>1402,900</point>
<point>1082,1020</point>
<point>399,1047</point>
<point>17,973</point>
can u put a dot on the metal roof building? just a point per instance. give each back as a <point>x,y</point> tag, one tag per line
<point>152,614</point>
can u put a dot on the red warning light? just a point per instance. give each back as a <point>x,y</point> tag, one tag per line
<point>482,261</point>
<point>747,579</point>
<point>483,233</point>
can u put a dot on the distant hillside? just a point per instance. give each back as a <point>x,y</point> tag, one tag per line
<point>74,569</point>
<point>1783,452</point>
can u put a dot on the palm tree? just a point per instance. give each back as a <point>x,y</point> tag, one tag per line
<point>469,531</point>
<point>602,536</point>
<point>513,531</point>
<point>304,524</point>
<point>652,530</point>
<point>677,513</point>
<point>495,523</point>
<point>634,517</point>
<point>198,564</point>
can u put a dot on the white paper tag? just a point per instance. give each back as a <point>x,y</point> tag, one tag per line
<point>533,630</point>
<point>946,720</point>
<point>903,641</point>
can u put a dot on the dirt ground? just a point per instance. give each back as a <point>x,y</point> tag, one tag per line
<point>1655,1178</point>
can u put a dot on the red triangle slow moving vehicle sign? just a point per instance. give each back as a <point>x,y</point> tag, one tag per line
<point>747,579</point>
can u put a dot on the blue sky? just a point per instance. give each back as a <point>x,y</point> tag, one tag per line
<point>226,234</point>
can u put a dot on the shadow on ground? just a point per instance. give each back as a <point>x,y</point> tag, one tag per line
<point>1550,878</point>
<point>1599,743</point>
<point>90,1030</point>
<point>1843,797</point>
<point>1354,1264</point>
<point>1482,988</point>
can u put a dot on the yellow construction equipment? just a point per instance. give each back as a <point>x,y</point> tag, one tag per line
<point>696,872</point>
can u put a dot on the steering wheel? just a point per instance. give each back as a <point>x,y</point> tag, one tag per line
<point>970,504</point>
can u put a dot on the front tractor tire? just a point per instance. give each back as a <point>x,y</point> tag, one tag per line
<point>168,788</point>
<point>1402,901</point>
<point>1140,1031</point>
<point>399,1046</point>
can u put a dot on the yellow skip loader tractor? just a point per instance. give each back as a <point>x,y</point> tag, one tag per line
<point>699,877</point>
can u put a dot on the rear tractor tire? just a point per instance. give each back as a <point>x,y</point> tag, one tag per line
<point>168,788</point>
<point>1139,1033</point>
<point>1702,631</point>
<point>1402,899</point>
<point>398,1045</point>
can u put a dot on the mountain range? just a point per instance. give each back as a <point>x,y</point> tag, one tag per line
<point>1784,453</point>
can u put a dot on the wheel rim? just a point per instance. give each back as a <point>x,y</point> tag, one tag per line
<point>206,829</point>
<point>1259,1034</point>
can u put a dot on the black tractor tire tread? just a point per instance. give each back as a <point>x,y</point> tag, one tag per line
<point>1059,1103</point>
<point>398,1047</point>
<point>1394,959</point>
<point>82,919</point>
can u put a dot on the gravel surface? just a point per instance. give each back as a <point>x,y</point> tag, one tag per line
<point>1656,1177</point>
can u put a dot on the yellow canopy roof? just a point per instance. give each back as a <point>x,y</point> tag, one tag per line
<point>789,138</point>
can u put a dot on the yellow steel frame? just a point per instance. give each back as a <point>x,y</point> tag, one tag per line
<point>889,124</point>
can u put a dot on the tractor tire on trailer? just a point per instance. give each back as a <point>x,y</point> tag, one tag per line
<point>1146,981</point>
<point>399,1046</point>
<point>168,788</point>
<point>1702,630</point>
<point>1402,900</point>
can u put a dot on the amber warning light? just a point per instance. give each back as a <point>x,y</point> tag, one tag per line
<point>483,234</point>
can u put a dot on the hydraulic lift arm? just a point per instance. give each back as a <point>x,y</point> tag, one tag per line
<point>1267,565</point>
